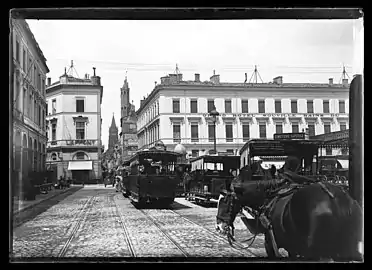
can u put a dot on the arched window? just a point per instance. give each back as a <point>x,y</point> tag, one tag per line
<point>81,156</point>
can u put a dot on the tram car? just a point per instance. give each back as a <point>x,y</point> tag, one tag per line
<point>150,177</point>
<point>209,174</point>
<point>304,149</point>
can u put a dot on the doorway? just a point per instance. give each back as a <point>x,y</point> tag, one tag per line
<point>80,176</point>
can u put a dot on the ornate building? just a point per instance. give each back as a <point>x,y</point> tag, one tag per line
<point>177,111</point>
<point>74,127</point>
<point>29,106</point>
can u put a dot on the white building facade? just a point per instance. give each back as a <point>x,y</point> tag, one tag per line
<point>176,111</point>
<point>74,128</point>
<point>29,77</point>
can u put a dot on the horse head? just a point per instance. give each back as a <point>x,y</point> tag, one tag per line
<point>249,193</point>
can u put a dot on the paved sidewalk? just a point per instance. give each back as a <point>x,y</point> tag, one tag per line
<point>20,205</point>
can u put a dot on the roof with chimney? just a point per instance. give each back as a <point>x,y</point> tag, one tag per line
<point>175,81</point>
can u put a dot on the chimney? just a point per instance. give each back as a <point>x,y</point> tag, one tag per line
<point>141,102</point>
<point>164,80</point>
<point>172,78</point>
<point>344,82</point>
<point>215,78</point>
<point>278,80</point>
<point>330,81</point>
<point>96,80</point>
<point>49,81</point>
<point>197,77</point>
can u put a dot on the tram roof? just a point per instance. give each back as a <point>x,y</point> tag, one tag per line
<point>154,154</point>
<point>271,147</point>
<point>216,159</point>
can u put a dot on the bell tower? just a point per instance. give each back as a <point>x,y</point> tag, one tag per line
<point>125,101</point>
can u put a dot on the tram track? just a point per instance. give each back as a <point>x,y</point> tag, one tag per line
<point>182,250</point>
<point>237,246</point>
<point>80,217</point>
<point>125,231</point>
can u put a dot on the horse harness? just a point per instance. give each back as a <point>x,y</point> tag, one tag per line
<point>264,214</point>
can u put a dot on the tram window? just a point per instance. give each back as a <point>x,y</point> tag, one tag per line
<point>329,151</point>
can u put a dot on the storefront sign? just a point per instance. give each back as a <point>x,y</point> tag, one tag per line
<point>289,136</point>
<point>81,142</point>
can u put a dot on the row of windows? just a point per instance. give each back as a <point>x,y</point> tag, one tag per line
<point>195,152</point>
<point>246,133</point>
<point>261,106</point>
<point>29,105</point>
<point>79,106</point>
<point>31,70</point>
<point>80,131</point>
<point>150,113</point>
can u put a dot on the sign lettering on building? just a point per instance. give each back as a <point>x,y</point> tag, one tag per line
<point>289,136</point>
<point>80,142</point>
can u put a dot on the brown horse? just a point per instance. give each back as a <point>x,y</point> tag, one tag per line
<point>309,223</point>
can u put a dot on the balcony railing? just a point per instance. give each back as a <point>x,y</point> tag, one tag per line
<point>74,143</point>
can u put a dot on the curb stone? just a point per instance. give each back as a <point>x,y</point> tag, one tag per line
<point>43,200</point>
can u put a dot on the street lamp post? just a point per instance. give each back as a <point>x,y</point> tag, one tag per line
<point>214,114</point>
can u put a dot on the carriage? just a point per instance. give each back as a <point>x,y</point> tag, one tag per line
<point>210,173</point>
<point>305,150</point>
<point>150,177</point>
<point>335,169</point>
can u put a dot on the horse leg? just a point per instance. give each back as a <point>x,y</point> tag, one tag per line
<point>269,246</point>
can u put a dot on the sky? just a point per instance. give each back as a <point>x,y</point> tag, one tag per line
<point>298,50</point>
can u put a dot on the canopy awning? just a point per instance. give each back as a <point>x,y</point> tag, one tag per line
<point>277,164</point>
<point>344,163</point>
<point>79,165</point>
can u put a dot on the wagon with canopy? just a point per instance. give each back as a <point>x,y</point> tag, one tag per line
<point>210,173</point>
<point>305,150</point>
<point>151,177</point>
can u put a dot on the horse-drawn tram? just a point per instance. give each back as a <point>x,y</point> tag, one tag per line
<point>210,173</point>
<point>255,151</point>
<point>294,209</point>
<point>151,177</point>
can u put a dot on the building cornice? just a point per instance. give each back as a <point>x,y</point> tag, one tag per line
<point>228,88</point>
<point>71,89</point>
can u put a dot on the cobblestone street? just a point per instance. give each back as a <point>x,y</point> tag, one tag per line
<point>98,222</point>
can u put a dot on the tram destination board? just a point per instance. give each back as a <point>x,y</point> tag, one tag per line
<point>289,136</point>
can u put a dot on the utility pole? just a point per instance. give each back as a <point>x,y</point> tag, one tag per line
<point>11,108</point>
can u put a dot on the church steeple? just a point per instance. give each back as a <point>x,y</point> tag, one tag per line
<point>113,124</point>
<point>113,133</point>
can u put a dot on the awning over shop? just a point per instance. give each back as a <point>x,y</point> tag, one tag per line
<point>267,164</point>
<point>344,163</point>
<point>79,165</point>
